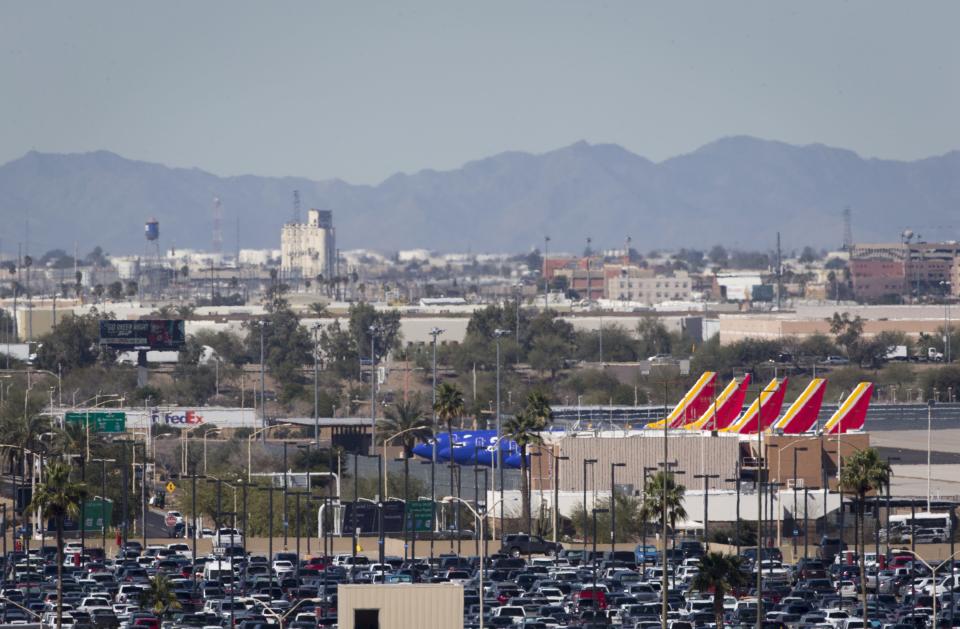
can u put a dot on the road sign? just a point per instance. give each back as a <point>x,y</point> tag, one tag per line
<point>419,516</point>
<point>100,421</point>
<point>171,487</point>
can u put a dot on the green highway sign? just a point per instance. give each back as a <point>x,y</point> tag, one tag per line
<point>419,515</point>
<point>100,421</point>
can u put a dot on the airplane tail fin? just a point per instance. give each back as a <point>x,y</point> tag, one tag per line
<point>692,405</point>
<point>852,414</point>
<point>724,409</point>
<point>750,420</point>
<point>802,414</point>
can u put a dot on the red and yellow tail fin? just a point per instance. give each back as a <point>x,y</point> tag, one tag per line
<point>692,405</point>
<point>725,409</point>
<point>802,414</point>
<point>760,415</point>
<point>852,414</point>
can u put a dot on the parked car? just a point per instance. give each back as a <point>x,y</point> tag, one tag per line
<point>523,544</point>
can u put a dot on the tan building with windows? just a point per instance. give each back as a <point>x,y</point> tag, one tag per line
<point>309,249</point>
<point>644,286</point>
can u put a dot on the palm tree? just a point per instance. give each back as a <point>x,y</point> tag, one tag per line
<point>538,406</point>
<point>862,473</point>
<point>405,417</point>
<point>524,429</point>
<point>159,597</point>
<point>654,506</point>
<point>57,498</point>
<point>318,309</point>
<point>721,574</point>
<point>449,406</point>
<point>21,425</point>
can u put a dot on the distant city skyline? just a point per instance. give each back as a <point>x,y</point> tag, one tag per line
<point>363,91</point>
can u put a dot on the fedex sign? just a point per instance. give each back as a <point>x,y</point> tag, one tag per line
<point>176,418</point>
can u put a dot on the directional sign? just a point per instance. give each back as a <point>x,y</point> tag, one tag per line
<point>419,516</point>
<point>100,421</point>
<point>171,487</point>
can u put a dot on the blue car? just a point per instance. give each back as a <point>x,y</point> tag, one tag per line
<point>645,554</point>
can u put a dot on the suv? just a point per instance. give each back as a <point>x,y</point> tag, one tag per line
<point>524,544</point>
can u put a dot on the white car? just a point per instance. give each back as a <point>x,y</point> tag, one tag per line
<point>553,595</point>
<point>836,618</point>
<point>282,566</point>
<point>93,603</point>
<point>176,515</point>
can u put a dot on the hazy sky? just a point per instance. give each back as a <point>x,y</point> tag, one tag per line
<point>360,90</point>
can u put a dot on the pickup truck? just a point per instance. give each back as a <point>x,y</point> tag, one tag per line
<point>523,544</point>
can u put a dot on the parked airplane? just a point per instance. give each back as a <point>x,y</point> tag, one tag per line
<point>692,405</point>
<point>725,408</point>
<point>803,413</point>
<point>763,411</point>
<point>852,414</point>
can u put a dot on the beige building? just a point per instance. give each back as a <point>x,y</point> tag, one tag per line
<point>309,249</point>
<point>644,286</point>
<point>400,606</point>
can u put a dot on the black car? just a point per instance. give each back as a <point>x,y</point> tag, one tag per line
<point>524,544</point>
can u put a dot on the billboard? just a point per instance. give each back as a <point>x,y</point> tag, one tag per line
<point>156,334</point>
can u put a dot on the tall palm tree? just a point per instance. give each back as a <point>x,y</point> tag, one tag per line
<point>538,407</point>
<point>159,596</point>
<point>862,473</point>
<point>718,573</point>
<point>654,506</point>
<point>405,417</point>
<point>524,429</point>
<point>57,498</point>
<point>21,425</point>
<point>448,407</point>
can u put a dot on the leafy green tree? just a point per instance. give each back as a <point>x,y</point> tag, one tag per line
<point>848,333</point>
<point>718,256</point>
<point>74,343</point>
<point>629,523</point>
<point>406,417</point>
<point>809,255</point>
<point>287,347</point>
<point>524,429</point>
<point>618,345</point>
<point>664,496</point>
<point>862,473</point>
<point>115,290</point>
<point>653,337</point>
<point>719,574</point>
<point>159,597</point>
<point>57,498</point>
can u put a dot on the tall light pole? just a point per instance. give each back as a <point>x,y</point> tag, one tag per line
<point>586,462</point>
<point>316,385</point>
<point>613,508</point>
<point>263,391</point>
<point>930,404</point>
<point>434,333</point>
<point>373,388</point>
<point>480,515</point>
<point>498,334</point>
<point>587,256</point>
<point>546,280</point>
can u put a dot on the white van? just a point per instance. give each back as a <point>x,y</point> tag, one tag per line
<point>214,570</point>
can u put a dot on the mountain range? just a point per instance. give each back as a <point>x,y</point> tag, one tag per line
<point>737,191</point>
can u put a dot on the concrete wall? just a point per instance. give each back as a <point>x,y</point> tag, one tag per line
<point>403,605</point>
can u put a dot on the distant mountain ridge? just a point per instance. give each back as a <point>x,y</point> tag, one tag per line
<point>737,191</point>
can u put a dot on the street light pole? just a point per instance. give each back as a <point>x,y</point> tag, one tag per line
<point>556,493</point>
<point>480,515</point>
<point>706,507</point>
<point>498,333</point>
<point>316,385</point>
<point>613,508</point>
<point>586,462</point>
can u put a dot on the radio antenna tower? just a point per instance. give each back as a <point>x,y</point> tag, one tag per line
<point>847,230</point>
<point>217,226</point>
<point>296,206</point>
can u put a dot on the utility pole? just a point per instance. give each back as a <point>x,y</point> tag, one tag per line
<point>706,507</point>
